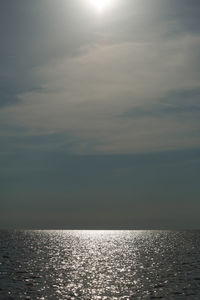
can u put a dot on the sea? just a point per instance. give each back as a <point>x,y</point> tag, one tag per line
<point>98,264</point>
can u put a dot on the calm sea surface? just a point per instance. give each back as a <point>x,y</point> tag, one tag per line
<point>99,265</point>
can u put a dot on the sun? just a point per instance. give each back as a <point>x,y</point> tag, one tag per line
<point>100,5</point>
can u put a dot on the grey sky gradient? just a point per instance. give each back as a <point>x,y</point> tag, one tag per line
<point>99,114</point>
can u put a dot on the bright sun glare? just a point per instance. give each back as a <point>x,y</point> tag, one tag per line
<point>100,5</point>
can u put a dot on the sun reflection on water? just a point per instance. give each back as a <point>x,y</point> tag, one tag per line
<point>96,264</point>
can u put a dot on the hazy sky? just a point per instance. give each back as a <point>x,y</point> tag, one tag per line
<point>100,114</point>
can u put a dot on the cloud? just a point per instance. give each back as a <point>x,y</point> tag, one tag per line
<point>84,96</point>
<point>34,33</point>
<point>182,104</point>
<point>76,88</point>
<point>83,82</point>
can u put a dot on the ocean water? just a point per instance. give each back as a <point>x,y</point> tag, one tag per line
<point>99,265</point>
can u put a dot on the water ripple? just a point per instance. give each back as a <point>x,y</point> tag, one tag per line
<point>99,265</point>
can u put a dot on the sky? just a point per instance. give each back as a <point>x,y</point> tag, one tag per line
<point>100,114</point>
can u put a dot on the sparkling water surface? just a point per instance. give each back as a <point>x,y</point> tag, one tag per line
<point>99,265</point>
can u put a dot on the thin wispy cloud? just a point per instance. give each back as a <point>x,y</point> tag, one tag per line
<point>79,84</point>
